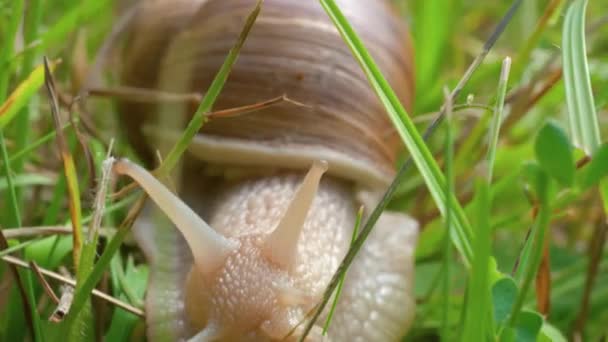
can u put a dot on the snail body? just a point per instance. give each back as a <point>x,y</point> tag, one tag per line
<point>271,238</point>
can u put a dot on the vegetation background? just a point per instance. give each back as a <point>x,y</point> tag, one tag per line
<point>525,260</point>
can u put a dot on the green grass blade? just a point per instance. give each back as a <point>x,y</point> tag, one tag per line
<point>22,95</point>
<point>478,306</point>
<point>341,283</point>
<point>14,218</point>
<point>431,38</point>
<point>6,46</point>
<point>449,190</point>
<point>420,153</point>
<point>579,96</point>
<point>531,259</point>
<point>30,33</point>
<point>497,119</point>
<point>34,145</point>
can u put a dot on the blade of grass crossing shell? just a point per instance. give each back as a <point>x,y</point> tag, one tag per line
<point>415,144</point>
<point>199,118</point>
<point>82,293</point>
<point>579,96</point>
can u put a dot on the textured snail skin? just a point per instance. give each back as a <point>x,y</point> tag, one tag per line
<point>252,298</point>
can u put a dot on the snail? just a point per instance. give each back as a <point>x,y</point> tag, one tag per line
<point>260,231</point>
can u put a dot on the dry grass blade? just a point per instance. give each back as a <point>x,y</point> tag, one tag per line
<point>242,110</point>
<point>145,95</point>
<point>130,308</point>
<point>543,282</point>
<point>45,285</point>
<point>69,168</point>
<point>63,306</point>
<point>83,141</point>
<point>100,197</point>
<point>45,231</point>
<point>254,107</point>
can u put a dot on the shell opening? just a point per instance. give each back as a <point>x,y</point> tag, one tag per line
<point>280,246</point>
<point>208,247</point>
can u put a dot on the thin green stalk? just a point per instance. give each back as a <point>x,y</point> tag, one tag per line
<point>17,247</point>
<point>537,240</point>
<point>478,320</point>
<point>341,283</point>
<point>15,157</point>
<point>449,190</point>
<point>14,219</point>
<point>497,119</point>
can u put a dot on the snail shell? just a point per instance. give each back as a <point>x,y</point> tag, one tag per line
<point>293,49</point>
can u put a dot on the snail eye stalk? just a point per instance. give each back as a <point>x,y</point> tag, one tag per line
<point>208,247</point>
<point>280,246</point>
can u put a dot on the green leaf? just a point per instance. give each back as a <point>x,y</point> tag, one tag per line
<point>504,293</point>
<point>507,335</point>
<point>579,96</point>
<point>528,326</point>
<point>597,168</point>
<point>554,153</point>
<point>549,333</point>
<point>536,178</point>
<point>123,322</point>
